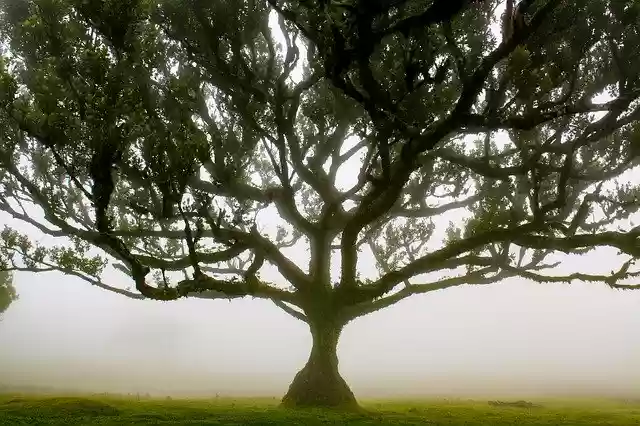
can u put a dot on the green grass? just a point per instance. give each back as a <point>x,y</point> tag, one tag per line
<point>85,410</point>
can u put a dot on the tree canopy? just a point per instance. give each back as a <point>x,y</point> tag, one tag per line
<point>194,144</point>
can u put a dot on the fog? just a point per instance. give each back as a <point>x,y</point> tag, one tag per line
<point>516,338</point>
<point>512,338</point>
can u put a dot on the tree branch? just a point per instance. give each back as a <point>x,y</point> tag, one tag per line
<point>91,280</point>
<point>612,279</point>
<point>288,309</point>
<point>379,200</point>
<point>474,278</point>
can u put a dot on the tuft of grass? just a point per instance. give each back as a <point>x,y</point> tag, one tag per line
<point>110,410</point>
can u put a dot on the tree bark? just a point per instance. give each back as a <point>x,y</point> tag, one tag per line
<point>319,383</point>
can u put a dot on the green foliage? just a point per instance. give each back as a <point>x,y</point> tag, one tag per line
<point>493,211</point>
<point>8,293</point>
<point>74,257</point>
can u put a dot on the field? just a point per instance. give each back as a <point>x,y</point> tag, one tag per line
<point>105,410</point>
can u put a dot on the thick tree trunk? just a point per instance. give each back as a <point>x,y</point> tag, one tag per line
<point>319,383</point>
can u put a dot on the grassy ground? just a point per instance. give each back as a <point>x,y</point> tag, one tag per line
<point>82,410</point>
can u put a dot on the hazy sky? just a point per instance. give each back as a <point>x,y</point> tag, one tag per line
<point>515,337</point>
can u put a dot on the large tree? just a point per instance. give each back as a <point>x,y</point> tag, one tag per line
<point>194,144</point>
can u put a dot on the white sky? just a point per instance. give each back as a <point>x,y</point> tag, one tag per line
<point>514,337</point>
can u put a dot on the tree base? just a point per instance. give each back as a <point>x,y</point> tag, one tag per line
<point>317,387</point>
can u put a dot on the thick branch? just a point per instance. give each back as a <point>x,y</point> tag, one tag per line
<point>241,242</point>
<point>474,278</point>
<point>233,288</point>
<point>260,244</point>
<point>184,262</point>
<point>627,242</point>
<point>524,236</point>
<point>423,265</point>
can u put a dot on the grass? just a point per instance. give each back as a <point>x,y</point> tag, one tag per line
<point>101,410</point>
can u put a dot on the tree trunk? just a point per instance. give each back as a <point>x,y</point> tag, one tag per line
<point>319,383</point>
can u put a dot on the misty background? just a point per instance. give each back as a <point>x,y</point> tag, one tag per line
<point>513,338</point>
<point>516,337</point>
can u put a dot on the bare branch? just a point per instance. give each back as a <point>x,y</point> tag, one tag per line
<point>612,279</point>
<point>291,311</point>
<point>49,267</point>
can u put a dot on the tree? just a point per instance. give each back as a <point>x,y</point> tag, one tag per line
<point>7,291</point>
<point>194,144</point>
